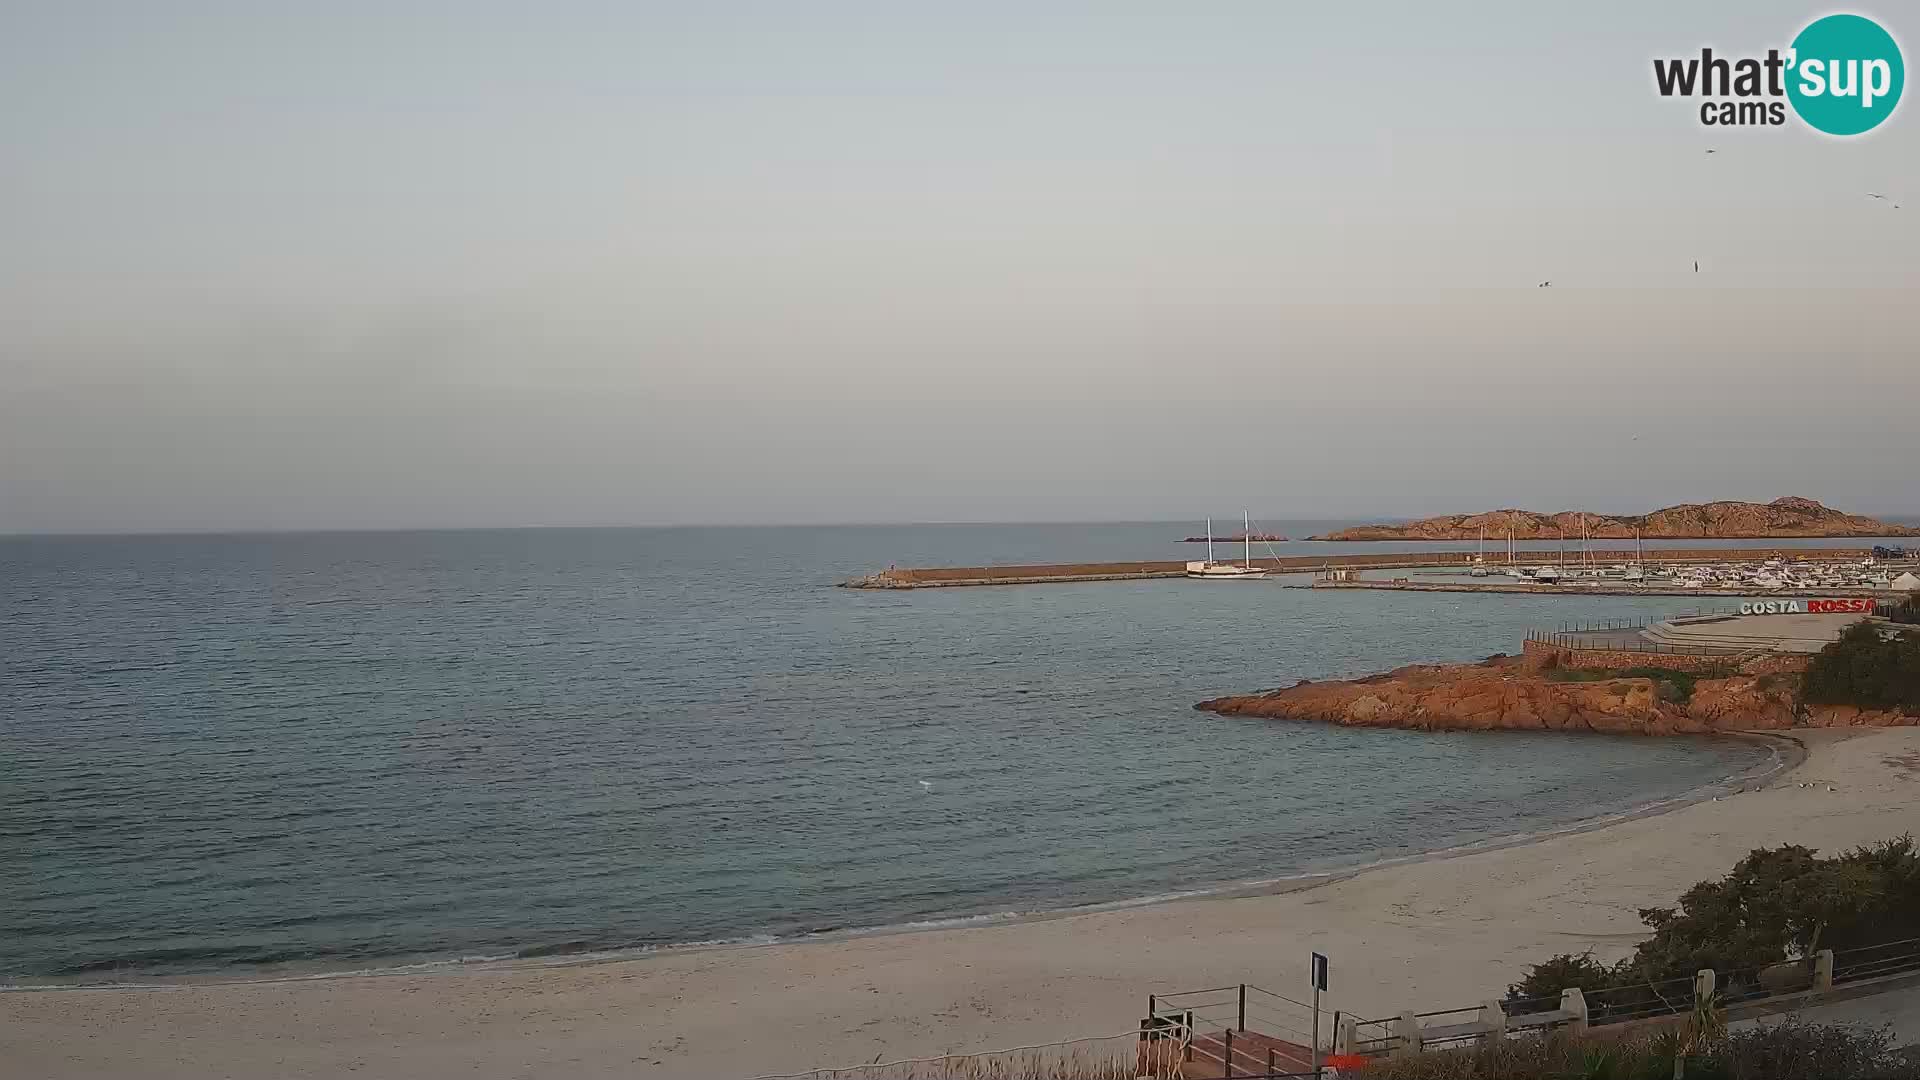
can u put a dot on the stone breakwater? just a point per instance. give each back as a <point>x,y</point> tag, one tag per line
<point>902,577</point>
<point>1506,693</point>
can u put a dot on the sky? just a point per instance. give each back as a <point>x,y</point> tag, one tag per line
<point>415,264</point>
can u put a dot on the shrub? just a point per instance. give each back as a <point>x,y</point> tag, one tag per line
<point>1789,1051</point>
<point>1776,903</point>
<point>1668,683</point>
<point>1867,669</point>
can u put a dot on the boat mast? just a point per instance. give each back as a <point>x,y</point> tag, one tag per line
<point>1246,534</point>
<point>1209,538</point>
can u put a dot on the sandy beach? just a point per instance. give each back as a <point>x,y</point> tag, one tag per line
<point>1436,933</point>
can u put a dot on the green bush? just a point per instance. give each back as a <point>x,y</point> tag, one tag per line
<point>1669,684</point>
<point>1867,669</point>
<point>1775,904</point>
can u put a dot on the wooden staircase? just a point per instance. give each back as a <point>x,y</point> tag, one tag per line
<point>1245,1054</point>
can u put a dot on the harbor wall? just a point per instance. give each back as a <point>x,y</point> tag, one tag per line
<point>1620,659</point>
<point>934,577</point>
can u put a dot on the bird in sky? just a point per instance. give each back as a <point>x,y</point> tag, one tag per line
<point>1713,151</point>
<point>1875,195</point>
<point>1543,284</point>
<point>1696,266</point>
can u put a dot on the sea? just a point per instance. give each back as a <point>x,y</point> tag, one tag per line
<point>264,755</point>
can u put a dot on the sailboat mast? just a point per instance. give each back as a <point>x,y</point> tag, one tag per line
<point>1246,535</point>
<point>1209,537</point>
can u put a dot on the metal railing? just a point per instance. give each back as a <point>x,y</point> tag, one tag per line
<point>1876,961</point>
<point>1570,643</point>
<point>1621,1004</point>
<point>1232,1030</point>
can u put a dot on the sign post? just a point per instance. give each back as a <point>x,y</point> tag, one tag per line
<point>1319,984</point>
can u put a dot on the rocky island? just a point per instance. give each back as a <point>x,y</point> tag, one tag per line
<point>1786,517</point>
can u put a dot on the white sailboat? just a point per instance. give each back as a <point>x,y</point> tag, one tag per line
<point>1226,571</point>
<point>1637,571</point>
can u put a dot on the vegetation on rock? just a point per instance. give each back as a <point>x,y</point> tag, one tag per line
<point>1670,684</point>
<point>1781,517</point>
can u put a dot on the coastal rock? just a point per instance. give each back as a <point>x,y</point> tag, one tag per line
<point>1743,703</point>
<point>1517,694</point>
<point>1784,517</point>
<point>1499,695</point>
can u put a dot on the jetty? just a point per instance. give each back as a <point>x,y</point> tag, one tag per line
<point>1055,573</point>
<point>1595,587</point>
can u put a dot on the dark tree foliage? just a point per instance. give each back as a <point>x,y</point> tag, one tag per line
<point>1907,611</point>
<point>1866,668</point>
<point>1776,903</point>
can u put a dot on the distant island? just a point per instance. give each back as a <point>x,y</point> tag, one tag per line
<point>1786,517</point>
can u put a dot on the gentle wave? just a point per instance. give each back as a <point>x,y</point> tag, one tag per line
<point>581,953</point>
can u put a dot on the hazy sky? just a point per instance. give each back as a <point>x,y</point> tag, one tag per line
<point>277,265</point>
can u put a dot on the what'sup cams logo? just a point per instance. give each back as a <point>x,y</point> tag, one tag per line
<point>1842,75</point>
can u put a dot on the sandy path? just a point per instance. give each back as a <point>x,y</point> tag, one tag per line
<point>1425,935</point>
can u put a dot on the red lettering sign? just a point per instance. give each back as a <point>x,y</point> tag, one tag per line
<point>1836,607</point>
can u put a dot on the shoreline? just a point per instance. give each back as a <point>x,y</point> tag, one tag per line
<point>1436,932</point>
<point>1786,754</point>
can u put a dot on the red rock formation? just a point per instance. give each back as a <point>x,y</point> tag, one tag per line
<point>1508,694</point>
<point>1788,517</point>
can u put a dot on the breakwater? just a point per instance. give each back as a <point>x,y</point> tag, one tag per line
<point>951,576</point>
<point>1601,587</point>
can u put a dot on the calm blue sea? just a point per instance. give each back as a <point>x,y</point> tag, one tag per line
<point>310,751</point>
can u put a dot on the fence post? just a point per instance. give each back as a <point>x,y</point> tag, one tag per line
<point>1407,1027</point>
<point>1226,1069</point>
<point>1242,1025</point>
<point>1346,1033</point>
<point>1272,1068</point>
<point>1495,1017</point>
<point>1573,1002</point>
<point>1823,970</point>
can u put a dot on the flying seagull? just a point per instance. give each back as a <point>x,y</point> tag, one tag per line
<point>1713,151</point>
<point>1543,284</point>
<point>1875,195</point>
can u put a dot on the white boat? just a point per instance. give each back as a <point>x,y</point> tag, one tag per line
<point>1546,575</point>
<point>1226,571</point>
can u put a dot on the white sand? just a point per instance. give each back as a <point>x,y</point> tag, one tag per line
<point>1433,934</point>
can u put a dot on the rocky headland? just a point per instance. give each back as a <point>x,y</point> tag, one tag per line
<point>1533,693</point>
<point>1786,517</point>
